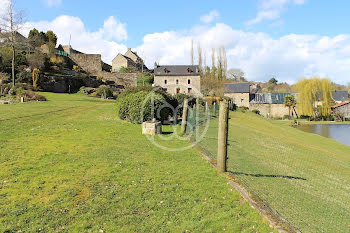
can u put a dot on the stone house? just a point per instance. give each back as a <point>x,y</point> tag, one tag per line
<point>129,60</point>
<point>239,93</point>
<point>268,104</point>
<point>343,108</point>
<point>178,79</point>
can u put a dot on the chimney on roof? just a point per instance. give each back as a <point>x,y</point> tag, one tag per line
<point>155,65</point>
<point>129,49</point>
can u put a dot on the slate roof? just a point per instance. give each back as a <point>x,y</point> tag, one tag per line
<point>237,88</point>
<point>177,70</point>
<point>340,95</point>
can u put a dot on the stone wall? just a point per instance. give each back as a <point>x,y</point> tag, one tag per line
<point>240,99</point>
<point>61,84</point>
<point>123,79</point>
<point>172,83</point>
<point>270,110</point>
<point>344,110</point>
<point>91,63</point>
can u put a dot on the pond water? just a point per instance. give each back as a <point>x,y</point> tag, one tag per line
<point>340,133</point>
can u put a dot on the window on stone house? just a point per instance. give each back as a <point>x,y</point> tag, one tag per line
<point>189,81</point>
<point>177,81</point>
<point>165,82</point>
<point>189,90</point>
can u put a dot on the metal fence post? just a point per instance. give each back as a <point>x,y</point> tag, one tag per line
<point>184,116</point>
<point>222,137</point>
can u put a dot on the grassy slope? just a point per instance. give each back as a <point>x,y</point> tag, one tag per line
<point>305,177</point>
<point>69,165</point>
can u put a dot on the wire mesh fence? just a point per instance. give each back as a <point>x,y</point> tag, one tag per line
<point>307,184</point>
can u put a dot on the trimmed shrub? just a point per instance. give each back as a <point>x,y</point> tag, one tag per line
<point>137,107</point>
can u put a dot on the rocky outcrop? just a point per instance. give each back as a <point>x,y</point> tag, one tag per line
<point>64,84</point>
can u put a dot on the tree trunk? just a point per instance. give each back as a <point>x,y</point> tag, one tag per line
<point>13,66</point>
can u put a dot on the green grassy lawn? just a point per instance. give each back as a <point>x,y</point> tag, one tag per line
<point>68,165</point>
<point>305,177</point>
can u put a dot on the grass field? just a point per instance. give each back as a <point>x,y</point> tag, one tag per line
<point>68,165</point>
<point>305,177</point>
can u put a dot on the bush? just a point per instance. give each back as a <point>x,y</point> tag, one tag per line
<point>136,107</point>
<point>12,91</point>
<point>39,98</point>
<point>24,77</point>
<point>20,92</point>
<point>256,111</point>
<point>35,97</point>
<point>286,117</point>
<point>104,91</point>
<point>5,90</point>
<point>243,109</point>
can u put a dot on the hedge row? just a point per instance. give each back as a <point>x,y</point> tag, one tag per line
<point>135,105</point>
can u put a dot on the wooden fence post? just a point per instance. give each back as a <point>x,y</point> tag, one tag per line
<point>184,116</point>
<point>222,137</point>
<point>214,110</point>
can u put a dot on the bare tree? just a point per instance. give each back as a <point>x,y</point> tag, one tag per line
<point>200,61</point>
<point>10,24</point>
<point>219,64</point>
<point>192,52</point>
<point>205,62</point>
<point>224,62</point>
<point>236,74</point>
<point>213,63</point>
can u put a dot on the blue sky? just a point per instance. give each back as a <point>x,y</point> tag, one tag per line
<point>143,17</point>
<point>288,39</point>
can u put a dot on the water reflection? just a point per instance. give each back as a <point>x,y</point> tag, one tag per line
<point>340,133</point>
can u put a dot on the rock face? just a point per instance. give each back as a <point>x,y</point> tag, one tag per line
<point>65,84</point>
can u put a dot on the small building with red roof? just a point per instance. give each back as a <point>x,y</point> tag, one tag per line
<point>342,108</point>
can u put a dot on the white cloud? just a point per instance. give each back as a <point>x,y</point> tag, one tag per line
<point>53,3</point>
<point>260,56</point>
<point>102,41</point>
<point>208,18</point>
<point>271,9</point>
<point>114,29</point>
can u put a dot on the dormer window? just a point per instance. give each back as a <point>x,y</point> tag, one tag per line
<point>188,70</point>
<point>166,70</point>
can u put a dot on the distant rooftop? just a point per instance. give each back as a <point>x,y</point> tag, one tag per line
<point>237,88</point>
<point>178,70</point>
<point>340,95</point>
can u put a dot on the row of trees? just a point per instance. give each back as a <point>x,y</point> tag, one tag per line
<point>16,53</point>
<point>37,39</point>
<point>218,69</point>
